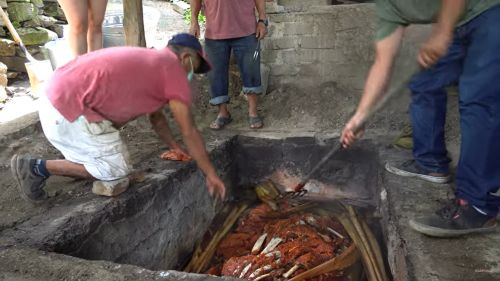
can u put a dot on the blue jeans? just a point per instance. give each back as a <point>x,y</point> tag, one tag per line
<point>219,53</point>
<point>473,60</point>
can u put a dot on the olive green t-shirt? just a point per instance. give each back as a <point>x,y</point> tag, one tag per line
<point>394,13</point>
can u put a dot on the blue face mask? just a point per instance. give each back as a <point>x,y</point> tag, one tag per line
<point>191,73</point>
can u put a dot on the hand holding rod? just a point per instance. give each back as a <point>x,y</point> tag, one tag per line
<point>299,188</point>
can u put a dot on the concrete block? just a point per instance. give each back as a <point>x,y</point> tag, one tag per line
<point>274,8</point>
<point>278,70</point>
<point>318,42</point>
<point>357,44</point>
<point>264,74</point>
<point>306,56</point>
<point>293,17</point>
<point>270,56</point>
<point>298,28</point>
<point>278,43</point>
<point>304,3</point>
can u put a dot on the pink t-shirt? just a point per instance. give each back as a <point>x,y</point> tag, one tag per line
<point>229,18</point>
<point>118,84</point>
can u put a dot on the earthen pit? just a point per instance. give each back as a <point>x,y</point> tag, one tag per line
<point>159,229</point>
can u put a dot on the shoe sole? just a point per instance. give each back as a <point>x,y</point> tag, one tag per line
<point>99,189</point>
<point>446,233</point>
<point>399,172</point>
<point>13,169</point>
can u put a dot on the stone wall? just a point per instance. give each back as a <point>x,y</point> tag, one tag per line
<point>36,21</point>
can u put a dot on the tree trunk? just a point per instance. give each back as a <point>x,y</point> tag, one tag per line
<point>133,23</point>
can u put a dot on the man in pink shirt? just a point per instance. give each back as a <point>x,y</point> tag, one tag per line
<point>232,26</point>
<point>91,97</point>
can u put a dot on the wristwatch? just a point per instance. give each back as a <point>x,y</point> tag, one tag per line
<point>264,21</point>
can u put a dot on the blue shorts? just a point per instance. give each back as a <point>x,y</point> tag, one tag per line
<point>219,52</point>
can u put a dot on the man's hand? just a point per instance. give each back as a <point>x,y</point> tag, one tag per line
<point>196,147</point>
<point>216,186</point>
<point>195,29</point>
<point>442,34</point>
<point>353,130</point>
<point>195,11</point>
<point>260,31</point>
<point>432,50</point>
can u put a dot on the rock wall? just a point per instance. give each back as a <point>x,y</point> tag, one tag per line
<point>37,22</point>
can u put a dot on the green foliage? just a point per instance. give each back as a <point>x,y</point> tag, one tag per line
<point>187,17</point>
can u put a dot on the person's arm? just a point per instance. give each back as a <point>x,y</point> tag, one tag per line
<point>442,33</point>
<point>196,146</point>
<point>261,29</point>
<point>195,11</point>
<point>376,84</point>
<point>160,126</point>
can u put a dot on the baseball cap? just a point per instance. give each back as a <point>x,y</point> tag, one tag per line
<point>189,41</point>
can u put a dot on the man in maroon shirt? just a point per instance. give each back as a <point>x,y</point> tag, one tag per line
<point>232,27</point>
<point>91,97</point>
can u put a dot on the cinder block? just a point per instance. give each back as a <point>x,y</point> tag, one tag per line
<point>318,42</point>
<point>270,56</point>
<point>306,56</point>
<point>278,70</point>
<point>274,8</point>
<point>287,3</point>
<point>278,43</point>
<point>292,17</point>
<point>298,28</point>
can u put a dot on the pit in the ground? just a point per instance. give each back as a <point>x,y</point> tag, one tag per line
<point>159,229</point>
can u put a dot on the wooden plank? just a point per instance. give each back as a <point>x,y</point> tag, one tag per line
<point>133,23</point>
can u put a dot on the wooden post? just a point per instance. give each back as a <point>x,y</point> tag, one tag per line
<point>133,23</point>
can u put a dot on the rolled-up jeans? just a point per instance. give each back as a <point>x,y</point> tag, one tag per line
<point>219,53</point>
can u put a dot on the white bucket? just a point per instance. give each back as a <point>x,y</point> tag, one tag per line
<point>59,52</point>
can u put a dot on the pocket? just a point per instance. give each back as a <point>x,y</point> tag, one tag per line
<point>98,128</point>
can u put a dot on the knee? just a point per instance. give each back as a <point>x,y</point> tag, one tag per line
<point>95,27</point>
<point>79,27</point>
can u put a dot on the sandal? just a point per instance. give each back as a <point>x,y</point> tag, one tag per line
<point>220,122</point>
<point>255,122</point>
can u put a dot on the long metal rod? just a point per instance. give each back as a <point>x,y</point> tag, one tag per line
<point>338,146</point>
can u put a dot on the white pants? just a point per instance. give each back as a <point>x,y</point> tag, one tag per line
<point>97,146</point>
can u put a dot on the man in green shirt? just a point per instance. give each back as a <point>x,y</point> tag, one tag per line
<point>464,47</point>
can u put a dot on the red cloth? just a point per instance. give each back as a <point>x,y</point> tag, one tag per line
<point>118,84</point>
<point>229,18</point>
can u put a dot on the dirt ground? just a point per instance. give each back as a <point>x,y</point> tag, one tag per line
<point>323,109</point>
